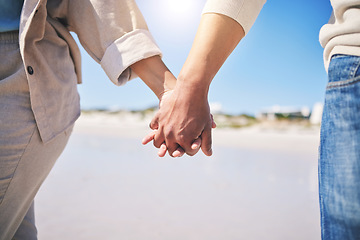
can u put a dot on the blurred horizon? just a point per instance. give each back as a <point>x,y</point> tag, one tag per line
<point>278,63</point>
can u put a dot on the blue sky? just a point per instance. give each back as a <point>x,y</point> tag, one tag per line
<point>279,62</point>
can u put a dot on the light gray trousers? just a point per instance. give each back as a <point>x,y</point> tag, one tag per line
<point>25,161</point>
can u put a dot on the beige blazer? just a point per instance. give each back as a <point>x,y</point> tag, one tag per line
<point>114,34</point>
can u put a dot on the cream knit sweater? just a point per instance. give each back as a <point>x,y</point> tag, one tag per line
<point>340,36</point>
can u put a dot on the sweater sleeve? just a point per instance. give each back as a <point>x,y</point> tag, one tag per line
<point>244,12</point>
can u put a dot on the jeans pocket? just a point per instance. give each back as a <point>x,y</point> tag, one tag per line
<point>342,97</point>
<point>343,70</point>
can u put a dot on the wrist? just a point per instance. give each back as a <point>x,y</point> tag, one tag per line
<point>196,75</point>
<point>155,75</point>
<point>168,84</point>
<point>193,84</point>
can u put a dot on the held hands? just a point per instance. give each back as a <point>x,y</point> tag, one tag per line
<point>183,123</point>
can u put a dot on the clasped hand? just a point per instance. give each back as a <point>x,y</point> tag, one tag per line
<point>183,124</point>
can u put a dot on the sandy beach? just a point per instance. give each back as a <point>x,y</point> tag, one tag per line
<point>260,183</point>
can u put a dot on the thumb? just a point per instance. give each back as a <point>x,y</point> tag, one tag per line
<point>212,121</point>
<point>206,141</point>
<point>154,124</point>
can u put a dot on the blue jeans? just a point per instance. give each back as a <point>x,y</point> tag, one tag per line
<point>339,153</point>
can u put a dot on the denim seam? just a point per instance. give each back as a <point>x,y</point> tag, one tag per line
<point>343,83</point>
<point>321,205</point>
<point>356,69</point>
<point>17,165</point>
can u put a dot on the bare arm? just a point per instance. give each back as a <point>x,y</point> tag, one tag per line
<point>155,75</point>
<point>185,115</point>
<point>216,38</point>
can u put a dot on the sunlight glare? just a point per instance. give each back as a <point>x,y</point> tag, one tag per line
<point>180,8</point>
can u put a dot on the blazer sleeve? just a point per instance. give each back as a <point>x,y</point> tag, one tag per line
<point>244,12</point>
<point>113,32</point>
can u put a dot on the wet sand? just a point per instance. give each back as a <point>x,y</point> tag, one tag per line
<point>259,184</point>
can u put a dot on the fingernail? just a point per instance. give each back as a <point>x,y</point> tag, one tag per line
<point>195,146</point>
<point>176,153</point>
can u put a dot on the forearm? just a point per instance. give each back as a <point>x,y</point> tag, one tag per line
<point>155,75</point>
<point>216,38</point>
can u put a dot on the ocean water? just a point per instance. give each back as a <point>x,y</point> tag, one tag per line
<point>257,185</point>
